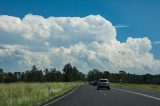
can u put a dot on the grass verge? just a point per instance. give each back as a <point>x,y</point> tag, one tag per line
<point>31,94</point>
<point>138,86</point>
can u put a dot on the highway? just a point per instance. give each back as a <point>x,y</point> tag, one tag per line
<point>88,95</point>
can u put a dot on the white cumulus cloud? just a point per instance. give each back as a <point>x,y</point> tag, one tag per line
<point>86,42</point>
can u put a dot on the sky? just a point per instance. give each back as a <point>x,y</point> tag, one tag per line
<point>109,35</point>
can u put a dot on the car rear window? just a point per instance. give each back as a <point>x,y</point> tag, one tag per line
<point>103,81</point>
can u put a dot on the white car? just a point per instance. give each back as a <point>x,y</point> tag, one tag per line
<point>103,83</point>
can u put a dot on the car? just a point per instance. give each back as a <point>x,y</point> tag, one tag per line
<point>103,83</point>
<point>90,82</point>
<point>95,83</point>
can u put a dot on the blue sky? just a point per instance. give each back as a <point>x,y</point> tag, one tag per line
<point>141,16</point>
<point>106,34</point>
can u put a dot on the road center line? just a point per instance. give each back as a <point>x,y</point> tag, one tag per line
<point>156,98</point>
<point>61,97</point>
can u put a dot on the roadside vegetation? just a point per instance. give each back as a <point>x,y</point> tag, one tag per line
<point>31,94</point>
<point>138,86</point>
<point>34,86</point>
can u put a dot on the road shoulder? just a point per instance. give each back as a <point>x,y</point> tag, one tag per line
<point>59,97</point>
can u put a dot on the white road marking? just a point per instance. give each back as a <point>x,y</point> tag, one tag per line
<point>61,97</point>
<point>156,98</point>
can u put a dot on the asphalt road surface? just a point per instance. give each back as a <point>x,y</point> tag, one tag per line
<point>87,95</point>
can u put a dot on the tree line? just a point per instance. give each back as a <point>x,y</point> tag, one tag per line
<point>68,74</point>
<point>71,73</point>
<point>123,77</point>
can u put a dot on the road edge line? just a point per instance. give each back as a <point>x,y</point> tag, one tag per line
<point>61,97</point>
<point>141,94</point>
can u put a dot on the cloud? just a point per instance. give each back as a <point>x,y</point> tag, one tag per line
<point>156,42</point>
<point>86,42</point>
<point>121,26</point>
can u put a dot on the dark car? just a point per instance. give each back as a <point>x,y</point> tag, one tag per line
<point>91,82</point>
<point>95,83</point>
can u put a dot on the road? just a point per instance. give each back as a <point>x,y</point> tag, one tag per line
<point>87,95</point>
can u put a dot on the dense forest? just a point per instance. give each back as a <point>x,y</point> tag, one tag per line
<point>71,73</point>
<point>68,74</point>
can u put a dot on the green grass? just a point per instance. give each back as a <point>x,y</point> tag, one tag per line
<point>31,94</point>
<point>138,86</point>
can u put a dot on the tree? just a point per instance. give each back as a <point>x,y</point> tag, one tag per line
<point>81,76</point>
<point>1,75</point>
<point>68,74</point>
<point>122,75</point>
<point>94,74</point>
<point>17,75</point>
<point>9,77</point>
<point>106,74</point>
<point>75,74</point>
<point>46,71</point>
